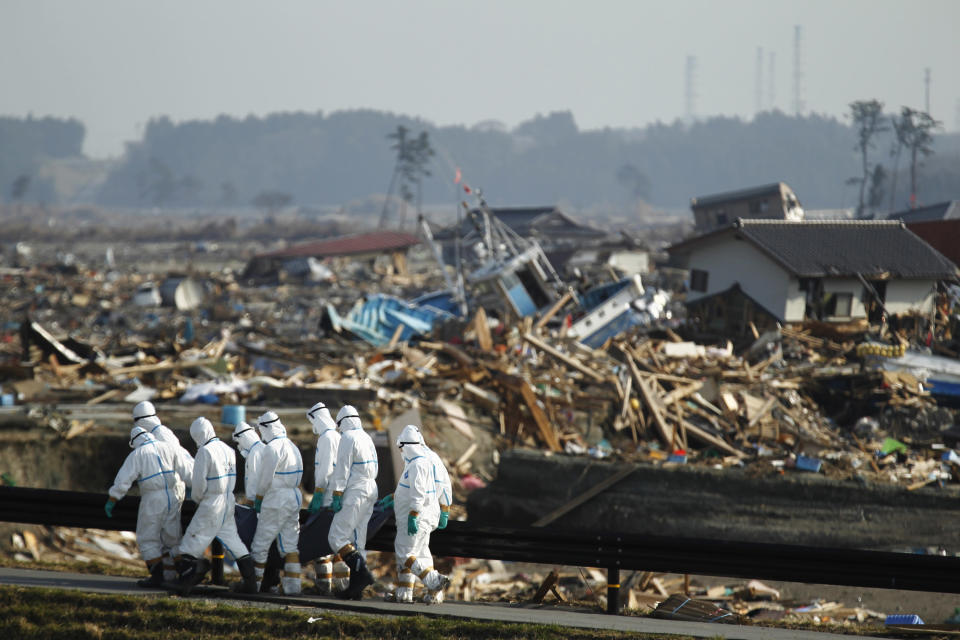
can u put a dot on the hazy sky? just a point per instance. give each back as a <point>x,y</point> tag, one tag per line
<point>114,64</point>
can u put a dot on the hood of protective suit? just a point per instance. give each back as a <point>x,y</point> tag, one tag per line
<point>145,415</point>
<point>245,436</point>
<point>270,426</point>
<point>410,442</point>
<point>348,418</point>
<point>202,431</point>
<point>319,417</point>
<point>138,437</point>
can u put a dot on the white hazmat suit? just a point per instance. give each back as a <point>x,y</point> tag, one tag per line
<point>444,489</point>
<point>251,447</point>
<point>214,479</point>
<point>278,502</point>
<point>354,485</point>
<point>154,466</point>
<point>324,462</point>
<point>417,512</point>
<point>145,415</point>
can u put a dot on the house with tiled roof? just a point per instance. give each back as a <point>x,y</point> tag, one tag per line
<point>769,271</point>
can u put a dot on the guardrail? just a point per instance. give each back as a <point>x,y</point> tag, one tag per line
<point>611,551</point>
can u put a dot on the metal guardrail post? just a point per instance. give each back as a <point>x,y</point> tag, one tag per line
<point>216,572</point>
<point>613,590</point>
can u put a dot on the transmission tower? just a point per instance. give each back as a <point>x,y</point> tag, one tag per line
<point>798,105</point>
<point>690,95</point>
<point>758,83</point>
<point>771,85</point>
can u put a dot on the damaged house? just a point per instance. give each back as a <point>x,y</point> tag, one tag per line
<point>307,257</point>
<point>775,271</point>
<point>775,201</point>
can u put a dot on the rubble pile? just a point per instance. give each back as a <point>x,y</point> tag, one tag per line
<point>792,400</point>
<point>80,343</point>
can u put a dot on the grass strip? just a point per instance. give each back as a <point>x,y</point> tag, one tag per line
<point>34,613</point>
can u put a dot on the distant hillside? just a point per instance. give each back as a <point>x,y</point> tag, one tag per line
<point>321,160</point>
<point>26,145</point>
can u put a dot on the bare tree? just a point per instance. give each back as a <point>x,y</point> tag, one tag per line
<point>867,115</point>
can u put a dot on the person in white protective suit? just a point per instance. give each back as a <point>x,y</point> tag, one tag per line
<point>145,415</point>
<point>354,485</point>
<point>418,512</point>
<point>332,573</point>
<point>444,489</point>
<point>278,502</point>
<point>251,447</point>
<point>214,478</point>
<point>154,466</point>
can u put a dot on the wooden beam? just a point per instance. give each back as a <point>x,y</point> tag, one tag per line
<point>395,338</point>
<point>482,329</point>
<point>543,346</point>
<point>547,432</point>
<point>552,311</point>
<point>665,431</point>
<point>681,392</point>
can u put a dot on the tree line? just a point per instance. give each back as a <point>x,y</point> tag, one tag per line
<point>315,159</point>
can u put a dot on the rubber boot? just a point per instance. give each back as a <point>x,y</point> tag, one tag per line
<point>271,578</point>
<point>156,576</point>
<point>360,576</point>
<point>249,584</point>
<point>192,571</point>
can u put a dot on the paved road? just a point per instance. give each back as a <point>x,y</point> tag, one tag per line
<point>472,611</point>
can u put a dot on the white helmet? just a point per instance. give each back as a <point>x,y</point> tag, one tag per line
<point>348,418</point>
<point>202,431</point>
<point>270,426</point>
<point>319,417</point>
<point>410,435</point>
<point>145,415</point>
<point>135,437</point>
<point>245,436</point>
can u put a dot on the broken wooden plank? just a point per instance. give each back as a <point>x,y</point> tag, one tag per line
<point>681,392</point>
<point>547,432</point>
<point>482,329</point>
<point>552,311</point>
<point>395,338</point>
<point>551,351</point>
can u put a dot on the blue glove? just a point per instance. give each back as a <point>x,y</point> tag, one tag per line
<point>337,503</point>
<point>257,503</point>
<point>316,502</point>
<point>386,501</point>
<point>412,526</point>
<point>444,518</point>
<point>109,507</point>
